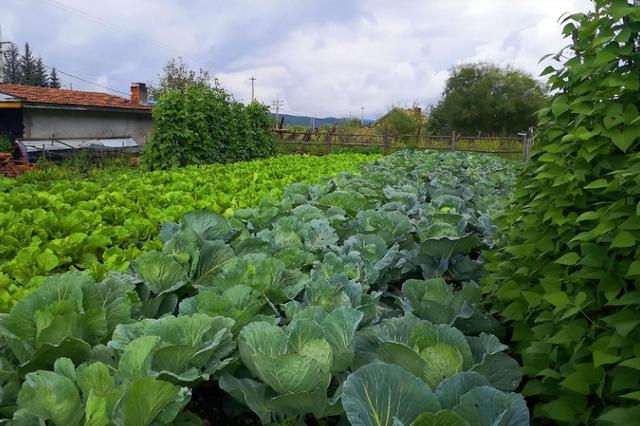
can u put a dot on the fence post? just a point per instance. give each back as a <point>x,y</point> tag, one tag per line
<point>452,144</point>
<point>327,142</point>
<point>386,140</point>
<point>527,143</point>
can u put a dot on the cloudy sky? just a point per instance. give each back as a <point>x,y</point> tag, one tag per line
<point>322,57</point>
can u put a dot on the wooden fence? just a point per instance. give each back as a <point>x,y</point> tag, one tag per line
<point>328,141</point>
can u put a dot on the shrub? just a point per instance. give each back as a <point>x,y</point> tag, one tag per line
<point>5,143</point>
<point>568,278</point>
<point>201,125</point>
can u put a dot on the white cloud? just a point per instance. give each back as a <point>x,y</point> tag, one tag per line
<point>325,57</point>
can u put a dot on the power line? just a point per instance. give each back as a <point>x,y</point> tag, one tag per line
<point>88,81</point>
<point>277,104</point>
<point>115,27</point>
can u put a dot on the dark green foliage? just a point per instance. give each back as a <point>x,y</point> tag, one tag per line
<point>568,277</point>
<point>54,80</point>
<point>401,122</point>
<point>260,135</point>
<point>28,67</point>
<point>487,99</point>
<point>25,68</point>
<point>200,125</point>
<point>11,64</point>
<point>177,75</point>
<point>5,143</point>
<point>41,77</point>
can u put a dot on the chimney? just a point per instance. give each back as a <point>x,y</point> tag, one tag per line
<point>139,94</point>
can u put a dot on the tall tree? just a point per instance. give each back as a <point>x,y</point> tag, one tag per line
<point>40,76</point>
<point>28,67</point>
<point>11,65</point>
<point>54,80</point>
<point>487,99</point>
<point>177,75</point>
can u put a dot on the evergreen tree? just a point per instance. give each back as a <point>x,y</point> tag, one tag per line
<point>28,67</point>
<point>10,63</point>
<point>54,81</point>
<point>41,78</point>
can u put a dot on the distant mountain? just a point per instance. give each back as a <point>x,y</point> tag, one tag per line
<point>299,120</point>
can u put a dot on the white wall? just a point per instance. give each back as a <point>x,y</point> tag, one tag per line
<point>52,123</point>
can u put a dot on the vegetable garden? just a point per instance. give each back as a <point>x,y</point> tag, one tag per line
<point>355,298</point>
<point>51,223</point>
<point>418,289</point>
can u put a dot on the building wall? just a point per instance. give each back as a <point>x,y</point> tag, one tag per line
<point>58,123</point>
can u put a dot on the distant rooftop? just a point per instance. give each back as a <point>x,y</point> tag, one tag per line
<point>66,97</point>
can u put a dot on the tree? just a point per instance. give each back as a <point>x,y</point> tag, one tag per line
<point>11,65</point>
<point>28,67</point>
<point>41,78</point>
<point>487,99</point>
<point>177,75</point>
<point>54,81</point>
<point>567,277</point>
<point>401,122</point>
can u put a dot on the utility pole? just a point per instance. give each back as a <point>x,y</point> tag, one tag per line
<point>277,104</point>
<point>253,80</point>
<point>362,116</point>
<point>2,43</point>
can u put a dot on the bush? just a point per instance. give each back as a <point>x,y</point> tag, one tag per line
<point>5,143</point>
<point>202,125</point>
<point>568,279</point>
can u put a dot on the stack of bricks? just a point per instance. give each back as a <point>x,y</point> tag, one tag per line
<point>12,168</point>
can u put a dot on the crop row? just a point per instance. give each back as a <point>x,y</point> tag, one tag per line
<point>104,221</point>
<point>355,300</point>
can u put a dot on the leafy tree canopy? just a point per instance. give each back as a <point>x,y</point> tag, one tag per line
<point>177,75</point>
<point>401,121</point>
<point>487,99</point>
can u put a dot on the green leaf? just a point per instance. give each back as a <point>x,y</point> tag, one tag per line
<point>487,406</point>
<point>249,392</point>
<point>442,361</point>
<point>451,389</point>
<point>568,259</point>
<point>560,105</point>
<point>623,239</point>
<point>377,394</point>
<point>631,363</point>
<point>162,273</point>
<point>145,399</point>
<point>623,139</point>
<point>339,329</point>
<point>51,396</point>
<point>604,358</point>
<point>621,416</point>
<point>558,299</point>
<point>614,115</point>
<point>441,418</point>
<point>597,184</point>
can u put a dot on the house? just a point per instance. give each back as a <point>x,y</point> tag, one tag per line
<point>44,118</point>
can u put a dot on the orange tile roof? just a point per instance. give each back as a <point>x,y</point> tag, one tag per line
<point>47,95</point>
